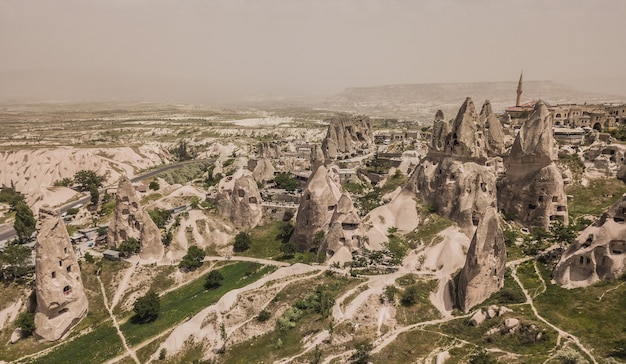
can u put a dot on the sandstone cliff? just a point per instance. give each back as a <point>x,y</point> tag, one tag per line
<point>263,171</point>
<point>346,135</point>
<point>61,301</point>
<point>532,188</point>
<point>599,252</point>
<point>130,221</point>
<point>483,273</point>
<point>241,204</point>
<point>317,207</point>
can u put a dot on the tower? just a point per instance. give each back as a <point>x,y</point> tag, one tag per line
<point>519,89</point>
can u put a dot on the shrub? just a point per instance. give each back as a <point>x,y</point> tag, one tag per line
<point>154,185</point>
<point>129,247</point>
<point>285,181</point>
<point>263,316</point>
<point>213,280</point>
<point>410,295</point>
<point>89,258</point>
<point>242,242</point>
<point>26,322</point>
<point>159,216</point>
<point>147,307</point>
<point>193,259</point>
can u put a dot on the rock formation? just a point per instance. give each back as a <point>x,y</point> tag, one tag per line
<point>345,231</point>
<point>346,135</point>
<point>268,150</point>
<point>242,203</point>
<point>491,129</point>
<point>532,188</point>
<point>317,207</point>
<point>130,221</point>
<point>263,171</point>
<point>599,252</point>
<point>457,175</point>
<point>483,273</point>
<point>61,300</point>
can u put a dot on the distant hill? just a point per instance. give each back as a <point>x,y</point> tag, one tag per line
<point>421,101</point>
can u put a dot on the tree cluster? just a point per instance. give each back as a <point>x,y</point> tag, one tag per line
<point>147,307</point>
<point>193,259</point>
<point>286,181</point>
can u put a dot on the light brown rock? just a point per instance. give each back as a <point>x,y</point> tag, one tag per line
<point>346,135</point>
<point>61,300</point>
<point>268,150</point>
<point>483,273</point>
<point>264,170</point>
<point>317,207</point>
<point>599,252</point>
<point>491,129</point>
<point>533,188</point>
<point>242,204</point>
<point>130,221</point>
<point>345,231</point>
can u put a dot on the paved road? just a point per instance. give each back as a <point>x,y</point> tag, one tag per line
<point>7,232</point>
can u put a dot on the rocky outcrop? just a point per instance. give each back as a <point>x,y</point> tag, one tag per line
<point>347,135</point>
<point>61,300</point>
<point>458,175</point>
<point>130,221</point>
<point>268,150</point>
<point>263,171</point>
<point>491,129</point>
<point>317,207</point>
<point>483,273</point>
<point>602,160</point>
<point>241,204</point>
<point>532,188</point>
<point>345,231</point>
<point>599,252</point>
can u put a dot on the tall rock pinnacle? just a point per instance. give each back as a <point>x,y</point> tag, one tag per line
<point>61,300</point>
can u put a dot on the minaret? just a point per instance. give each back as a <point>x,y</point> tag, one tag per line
<point>519,89</point>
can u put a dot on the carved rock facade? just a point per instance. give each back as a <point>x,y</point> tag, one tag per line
<point>61,300</point>
<point>242,204</point>
<point>532,188</point>
<point>599,252</point>
<point>130,221</point>
<point>347,135</point>
<point>483,273</point>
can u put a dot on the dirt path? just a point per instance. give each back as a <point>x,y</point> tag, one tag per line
<point>117,327</point>
<point>562,333</point>
<point>124,283</point>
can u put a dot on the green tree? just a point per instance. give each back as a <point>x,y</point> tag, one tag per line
<point>288,249</point>
<point>26,322</point>
<point>242,242</point>
<point>482,357</point>
<point>286,229</point>
<point>362,355</point>
<point>147,307</point>
<point>154,185</point>
<point>562,234</point>
<point>193,259</point>
<point>65,182</point>
<point>213,280</point>
<point>286,181</point>
<point>129,247</point>
<point>15,262</point>
<point>410,296</point>
<point>95,195</point>
<point>25,222</point>
<point>87,178</point>
<point>10,196</point>
<point>159,216</point>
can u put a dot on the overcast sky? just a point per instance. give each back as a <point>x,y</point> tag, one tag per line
<point>197,51</point>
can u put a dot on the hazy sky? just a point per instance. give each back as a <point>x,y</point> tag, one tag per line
<point>197,51</point>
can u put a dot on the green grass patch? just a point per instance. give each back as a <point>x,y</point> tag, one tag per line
<point>264,241</point>
<point>597,323</point>
<point>527,275</point>
<point>190,299</point>
<point>523,341</point>
<point>150,198</point>
<point>433,224</point>
<point>98,346</point>
<point>422,309</point>
<point>511,293</point>
<point>410,346</point>
<point>595,198</point>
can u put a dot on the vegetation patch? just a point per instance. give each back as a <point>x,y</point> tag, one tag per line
<point>595,198</point>
<point>409,346</point>
<point>190,299</point>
